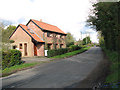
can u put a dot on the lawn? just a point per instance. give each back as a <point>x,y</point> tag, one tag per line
<point>71,53</point>
<point>13,69</point>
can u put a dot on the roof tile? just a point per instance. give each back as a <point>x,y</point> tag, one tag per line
<point>48,27</point>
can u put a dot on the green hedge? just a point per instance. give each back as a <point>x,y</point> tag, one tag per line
<point>11,58</point>
<point>55,52</point>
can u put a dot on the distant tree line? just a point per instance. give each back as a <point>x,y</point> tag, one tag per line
<point>105,19</point>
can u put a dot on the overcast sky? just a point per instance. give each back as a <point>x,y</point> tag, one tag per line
<point>68,15</point>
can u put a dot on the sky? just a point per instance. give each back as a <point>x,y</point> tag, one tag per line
<point>68,15</point>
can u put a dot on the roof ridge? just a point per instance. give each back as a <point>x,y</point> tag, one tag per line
<point>46,26</point>
<point>44,22</point>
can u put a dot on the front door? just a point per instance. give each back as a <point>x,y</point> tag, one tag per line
<point>25,48</point>
<point>35,50</point>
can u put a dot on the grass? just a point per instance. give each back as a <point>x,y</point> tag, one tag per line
<point>114,67</point>
<point>71,53</point>
<point>13,69</point>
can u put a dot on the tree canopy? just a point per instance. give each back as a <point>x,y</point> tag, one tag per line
<point>7,32</point>
<point>105,19</point>
<point>69,39</point>
<point>86,40</point>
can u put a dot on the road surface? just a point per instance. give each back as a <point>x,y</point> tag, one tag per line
<point>57,74</point>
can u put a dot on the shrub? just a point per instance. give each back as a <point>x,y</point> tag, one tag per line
<point>60,51</point>
<point>74,47</point>
<point>69,44</point>
<point>11,58</point>
<point>12,41</point>
<point>55,52</point>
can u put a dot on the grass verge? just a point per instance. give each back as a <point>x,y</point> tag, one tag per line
<point>13,69</point>
<point>113,76</point>
<point>71,53</point>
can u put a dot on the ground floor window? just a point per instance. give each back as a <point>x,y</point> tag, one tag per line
<point>49,46</point>
<point>55,46</point>
<point>20,46</point>
<point>14,47</point>
<point>61,45</point>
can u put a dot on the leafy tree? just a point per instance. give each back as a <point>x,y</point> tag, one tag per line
<point>105,19</point>
<point>69,39</point>
<point>86,40</point>
<point>7,32</point>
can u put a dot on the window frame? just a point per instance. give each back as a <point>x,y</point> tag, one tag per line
<point>20,46</point>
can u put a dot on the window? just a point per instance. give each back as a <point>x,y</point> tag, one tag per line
<point>60,36</point>
<point>14,47</point>
<point>49,46</point>
<point>20,46</point>
<point>48,34</point>
<point>55,46</point>
<point>61,45</point>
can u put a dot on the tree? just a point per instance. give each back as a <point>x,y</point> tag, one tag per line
<point>86,40</point>
<point>105,19</point>
<point>7,32</point>
<point>69,39</point>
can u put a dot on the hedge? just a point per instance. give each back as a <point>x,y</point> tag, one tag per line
<point>11,58</point>
<point>55,52</point>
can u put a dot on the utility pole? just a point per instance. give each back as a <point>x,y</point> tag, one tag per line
<point>81,35</point>
<point>86,37</point>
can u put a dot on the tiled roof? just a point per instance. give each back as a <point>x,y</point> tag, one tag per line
<point>32,35</point>
<point>48,27</point>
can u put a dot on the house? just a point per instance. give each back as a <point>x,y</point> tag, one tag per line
<point>33,38</point>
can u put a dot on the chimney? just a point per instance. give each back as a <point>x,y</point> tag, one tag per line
<point>40,20</point>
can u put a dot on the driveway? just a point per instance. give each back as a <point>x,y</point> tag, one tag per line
<point>57,74</point>
<point>35,59</point>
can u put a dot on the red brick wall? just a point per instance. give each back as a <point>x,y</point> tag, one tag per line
<point>40,49</point>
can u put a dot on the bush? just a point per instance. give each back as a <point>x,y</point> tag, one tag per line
<point>60,51</point>
<point>73,48</point>
<point>69,44</point>
<point>55,52</point>
<point>11,58</point>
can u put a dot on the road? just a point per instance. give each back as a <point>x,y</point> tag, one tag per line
<point>57,74</point>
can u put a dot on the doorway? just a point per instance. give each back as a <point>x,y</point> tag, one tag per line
<point>35,50</point>
<point>25,49</point>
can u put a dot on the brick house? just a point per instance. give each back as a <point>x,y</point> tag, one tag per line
<point>33,38</point>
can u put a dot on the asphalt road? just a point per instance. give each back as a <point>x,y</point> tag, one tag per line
<point>57,74</point>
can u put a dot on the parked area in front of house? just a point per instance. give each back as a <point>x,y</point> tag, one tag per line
<point>35,59</point>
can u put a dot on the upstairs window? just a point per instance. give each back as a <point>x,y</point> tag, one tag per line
<point>48,34</point>
<point>55,35</point>
<point>60,36</point>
